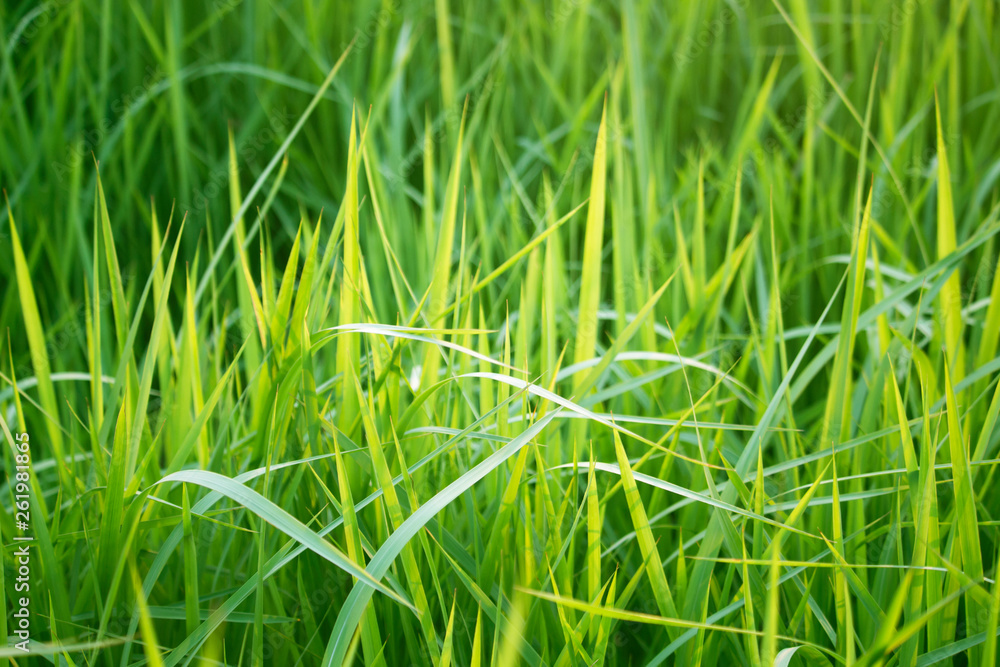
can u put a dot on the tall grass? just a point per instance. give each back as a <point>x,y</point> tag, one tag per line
<point>502,333</point>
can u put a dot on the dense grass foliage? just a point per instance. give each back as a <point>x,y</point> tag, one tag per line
<point>494,333</point>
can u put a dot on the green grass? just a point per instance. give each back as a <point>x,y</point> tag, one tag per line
<point>493,333</point>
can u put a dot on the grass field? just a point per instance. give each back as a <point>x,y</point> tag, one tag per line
<point>490,333</point>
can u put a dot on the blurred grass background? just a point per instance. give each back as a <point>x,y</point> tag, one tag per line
<point>149,89</point>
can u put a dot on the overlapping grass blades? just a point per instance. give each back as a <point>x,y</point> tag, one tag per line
<point>735,414</point>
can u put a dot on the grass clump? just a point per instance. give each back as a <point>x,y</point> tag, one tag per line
<point>499,333</point>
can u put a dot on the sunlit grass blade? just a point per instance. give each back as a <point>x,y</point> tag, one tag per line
<point>590,280</point>
<point>650,555</point>
<point>950,302</point>
<point>149,642</point>
<point>36,342</point>
<point>441,271</point>
<point>966,523</point>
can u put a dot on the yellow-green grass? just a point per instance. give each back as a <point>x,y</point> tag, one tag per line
<point>498,333</point>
